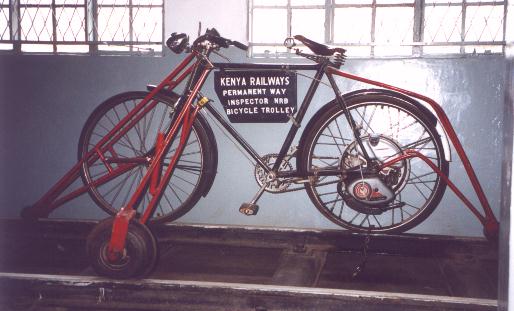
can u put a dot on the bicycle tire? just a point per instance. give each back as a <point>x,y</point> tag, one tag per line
<point>189,177</point>
<point>373,114</point>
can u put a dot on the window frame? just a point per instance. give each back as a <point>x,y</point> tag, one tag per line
<point>418,32</point>
<point>90,31</point>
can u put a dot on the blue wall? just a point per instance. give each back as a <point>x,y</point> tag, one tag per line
<point>45,100</point>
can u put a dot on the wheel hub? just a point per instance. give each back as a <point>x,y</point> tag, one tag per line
<point>364,188</point>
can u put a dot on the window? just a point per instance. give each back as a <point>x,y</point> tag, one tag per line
<point>82,26</point>
<point>5,21</point>
<point>381,28</point>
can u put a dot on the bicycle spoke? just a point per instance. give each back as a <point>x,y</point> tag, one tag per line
<point>322,194</point>
<point>378,222</point>
<point>134,147</point>
<point>168,201</point>
<point>185,180</point>
<point>344,140</point>
<point>423,183</point>
<point>175,193</point>
<point>339,148</point>
<point>397,130</point>
<point>120,188</point>
<point>422,142</point>
<point>340,132</point>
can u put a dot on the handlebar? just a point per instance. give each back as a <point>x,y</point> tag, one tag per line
<point>179,42</point>
<point>212,40</point>
<point>213,36</point>
<point>240,45</point>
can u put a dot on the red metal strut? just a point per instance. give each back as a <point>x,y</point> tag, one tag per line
<point>489,221</point>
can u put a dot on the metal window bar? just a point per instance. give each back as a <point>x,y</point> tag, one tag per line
<point>5,23</point>
<point>419,37</point>
<point>56,26</point>
<point>131,38</point>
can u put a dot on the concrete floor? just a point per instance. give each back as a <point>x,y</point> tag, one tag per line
<point>464,269</point>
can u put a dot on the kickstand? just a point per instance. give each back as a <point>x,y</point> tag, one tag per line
<point>360,267</point>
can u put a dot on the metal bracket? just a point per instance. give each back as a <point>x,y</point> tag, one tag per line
<point>203,101</point>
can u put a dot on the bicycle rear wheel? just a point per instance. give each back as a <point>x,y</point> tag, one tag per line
<point>388,126</point>
<point>113,177</point>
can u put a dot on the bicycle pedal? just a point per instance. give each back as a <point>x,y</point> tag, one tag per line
<point>249,209</point>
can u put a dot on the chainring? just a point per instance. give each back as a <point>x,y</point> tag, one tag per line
<point>275,185</point>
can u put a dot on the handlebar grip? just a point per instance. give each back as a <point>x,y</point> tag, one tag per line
<point>177,42</point>
<point>240,45</point>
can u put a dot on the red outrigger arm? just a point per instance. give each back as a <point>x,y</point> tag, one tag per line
<point>55,198</point>
<point>491,225</point>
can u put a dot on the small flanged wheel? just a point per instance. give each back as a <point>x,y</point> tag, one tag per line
<point>138,258</point>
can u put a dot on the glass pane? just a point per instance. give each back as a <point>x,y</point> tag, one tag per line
<point>147,24</point>
<point>352,25</point>
<point>270,51</point>
<point>70,24</point>
<point>441,50</point>
<point>113,2</point>
<point>480,1</point>
<point>70,2</point>
<point>394,26</point>
<point>147,2</point>
<point>356,2</point>
<point>483,49</point>
<point>72,49</point>
<point>392,50</point>
<point>307,2</point>
<point>147,48</point>
<point>357,51</point>
<point>5,33</point>
<point>395,1</point>
<point>36,24</point>
<point>309,23</point>
<point>35,48</point>
<point>269,25</point>
<point>484,23</point>
<point>111,47</point>
<point>6,46</point>
<point>428,2</point>
<point>442,24</point>
<point>113,24</point>
<point>269,2</point>
<point>36,2</point>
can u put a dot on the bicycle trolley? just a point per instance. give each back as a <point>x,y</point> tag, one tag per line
<point>371,160</point>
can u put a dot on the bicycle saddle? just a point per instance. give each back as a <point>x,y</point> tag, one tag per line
<point>318,48</point>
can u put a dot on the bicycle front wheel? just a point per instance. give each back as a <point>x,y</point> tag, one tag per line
<point>114,174</point>
<point>388,126</point>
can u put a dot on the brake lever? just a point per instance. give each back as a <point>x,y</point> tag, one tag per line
<point>240,45</point>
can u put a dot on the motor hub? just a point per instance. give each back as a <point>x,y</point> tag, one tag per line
<point>364,188</point>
